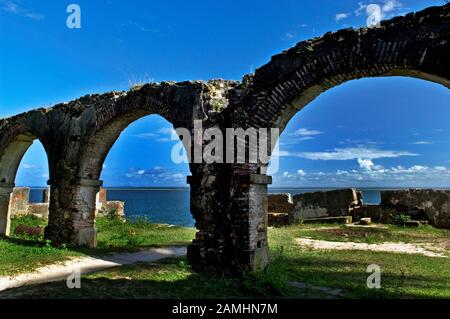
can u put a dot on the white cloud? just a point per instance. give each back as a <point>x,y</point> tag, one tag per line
<point>167,130</point>
<point>306,132</point>
<point>341,16</point>
<point>159,136</point>
<point>365,164</point>
<point>422,143</point>
<point>289,36</point>
<point>388,7</point>
<point>350,153</point>
<point>369,174</point>
<point>391,5</point>
<point>13,7</point>
<point>301,172</point>
<point>147,135</point>
<point>157,174</point>
<point>29,166</point>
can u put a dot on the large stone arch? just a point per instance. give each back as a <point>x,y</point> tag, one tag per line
<point>92,132</point>
<point>417,45</point>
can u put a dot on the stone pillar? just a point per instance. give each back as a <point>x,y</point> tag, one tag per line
<point>46,195</point>
<point>72,213</point>
<point>208,251</point>
<point>248,210</point>
<point>5,216</point>
<point>231,222</point>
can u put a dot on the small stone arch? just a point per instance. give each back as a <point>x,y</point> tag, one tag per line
<point>171,101</point>
<point>18,136</point>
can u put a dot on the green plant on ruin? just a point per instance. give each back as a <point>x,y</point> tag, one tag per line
<point>218,105</point>
<point>399,218</point>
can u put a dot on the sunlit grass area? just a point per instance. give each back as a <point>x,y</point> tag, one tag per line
<point>23,253</point>
<point>294,272</point>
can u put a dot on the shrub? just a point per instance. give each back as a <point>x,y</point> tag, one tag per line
<point>399,218</point>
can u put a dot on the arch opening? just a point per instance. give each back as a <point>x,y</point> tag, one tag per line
<point>131,159</point>
<point>24,198</point>
<point>368,134</point>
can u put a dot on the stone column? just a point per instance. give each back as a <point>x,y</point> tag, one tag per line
<point>248,210</point>
<point>72,213</point>
<point>231,218</point>
<point>5,216</point>
<point>207,252</point>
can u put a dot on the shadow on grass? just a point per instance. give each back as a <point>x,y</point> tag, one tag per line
<point>171,278</point>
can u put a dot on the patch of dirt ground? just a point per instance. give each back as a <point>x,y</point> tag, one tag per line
<point>424,249</point>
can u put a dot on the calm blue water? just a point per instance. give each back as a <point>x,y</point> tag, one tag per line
<point>171,206</point>
<point>158,206</point>
<point>370,196</point>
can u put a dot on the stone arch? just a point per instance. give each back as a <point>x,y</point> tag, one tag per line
<point>173,102</point>
<point>94,131</point>
<point>18,136</point>
<point>417,45</point>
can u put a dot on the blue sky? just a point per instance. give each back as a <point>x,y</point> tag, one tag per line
<point>371,132</point>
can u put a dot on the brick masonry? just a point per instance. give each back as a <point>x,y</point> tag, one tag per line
<point>228,201</point>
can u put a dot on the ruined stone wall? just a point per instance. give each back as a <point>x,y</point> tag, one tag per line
<point>420,204</point>
<point>323,204</point>
<point>20,204</point>
<point>280,203</point>
<point>20,201</point>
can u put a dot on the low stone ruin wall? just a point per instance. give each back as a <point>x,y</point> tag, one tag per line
<point>286,209</point>
<point>421,204</point>
<point>340,202</point>
<point>432,206</point>
<point>20,204</point>
<point>279,207</point>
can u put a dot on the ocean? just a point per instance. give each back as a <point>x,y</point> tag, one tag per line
<point>171,206</point>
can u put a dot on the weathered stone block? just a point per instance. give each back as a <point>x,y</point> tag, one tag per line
<point>38,209</point>
<point>112,209</point>
<point>329,220</point>
<point>19,202</point>
<point>365,221</point>
<point>280,203</point>
<point>376,213</point>
<point>323,204</point>
<point>420,204</point>
<point>101,200</point>
<point>276,219</point>
<point>46,197</point>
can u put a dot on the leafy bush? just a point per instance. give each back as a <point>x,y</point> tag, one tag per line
<point>399,218</point>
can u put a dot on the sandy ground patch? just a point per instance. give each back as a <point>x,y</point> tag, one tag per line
<point>87,265</point>
<point>399,247</point>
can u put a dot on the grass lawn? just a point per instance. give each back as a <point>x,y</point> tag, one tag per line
<point>23,254</point>
<point>402,275</point>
